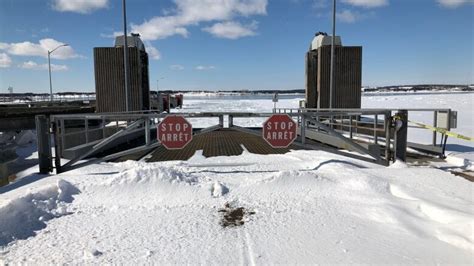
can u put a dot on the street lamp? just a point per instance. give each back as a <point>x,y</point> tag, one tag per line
<point>49,68</point>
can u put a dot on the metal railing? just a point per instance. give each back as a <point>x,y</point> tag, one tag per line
<point>372,125</point>
<point>370,132</point>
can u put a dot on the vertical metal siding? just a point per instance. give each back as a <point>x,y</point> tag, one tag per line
<point>109,79</point>
<point>348,77</point>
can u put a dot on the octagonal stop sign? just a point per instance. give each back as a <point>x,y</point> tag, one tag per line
<point>279,130</point>
<point>174,132</point>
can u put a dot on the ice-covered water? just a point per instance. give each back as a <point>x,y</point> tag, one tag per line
<point>459,101</point>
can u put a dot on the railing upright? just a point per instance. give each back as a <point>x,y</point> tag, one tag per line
<point>376,118</point>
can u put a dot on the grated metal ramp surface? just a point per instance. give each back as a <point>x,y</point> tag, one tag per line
<point>222,142</point>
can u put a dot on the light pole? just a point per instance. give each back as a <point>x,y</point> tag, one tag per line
<point>49,68</point>
<point>331,78</point>
<point>125,59</point>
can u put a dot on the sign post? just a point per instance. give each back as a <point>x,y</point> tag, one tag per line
<point>174,132</point>
<point>279,130</point>
<point>275,100</point>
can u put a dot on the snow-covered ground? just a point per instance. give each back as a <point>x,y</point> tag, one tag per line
<point>327,209</point>
<point>300,207</point>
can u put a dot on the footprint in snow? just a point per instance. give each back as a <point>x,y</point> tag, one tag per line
<point>92,253</point>
<point>218,189</point>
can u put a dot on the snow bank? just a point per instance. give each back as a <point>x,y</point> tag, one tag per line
<point>298,208</point>
<point>23,216</point>
<point>148,173</point>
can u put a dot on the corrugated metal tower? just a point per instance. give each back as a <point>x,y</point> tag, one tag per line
<point>348,74</point>
<point>109,76</point>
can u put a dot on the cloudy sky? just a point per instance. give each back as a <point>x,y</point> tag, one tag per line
<point>235,44</point>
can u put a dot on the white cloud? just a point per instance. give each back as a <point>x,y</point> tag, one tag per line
<point>320,4</point>
<point>39,49</point>
<point>347,16</point>
<point>111,35</point>
<point>367,3</point>
<point>193,12</point>
<point>79,6</point>
<point>5,60</point>
<point>204,68</point>
<point>160,28</point>
<point>232,30</point>
<point>153,53</point>
<point>35,66</point>
<point>177,67</point>
<point>454,3</point>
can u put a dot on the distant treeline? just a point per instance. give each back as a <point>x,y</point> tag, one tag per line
<point>426,87</point>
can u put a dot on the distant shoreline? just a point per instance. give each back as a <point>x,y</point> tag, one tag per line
<point>416,89</point>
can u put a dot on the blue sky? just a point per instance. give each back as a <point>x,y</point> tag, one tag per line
<point>235,44</point>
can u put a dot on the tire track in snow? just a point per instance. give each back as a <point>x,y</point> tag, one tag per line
<point>250,253</point>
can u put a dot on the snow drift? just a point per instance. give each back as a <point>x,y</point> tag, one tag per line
<point>300,207</point>
<point>21,217</point>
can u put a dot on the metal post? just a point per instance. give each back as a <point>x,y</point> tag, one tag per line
<point>387,129</point>
<point>435,124</point>
<point>86,122</point>
<point>303,129</point>
<point>231,121</point>
<point>63,138</point>
<point>350,127</point>
<point>57,152</point>
<point>401,134</point>
<point>147,131</point>
<point>125,58</point>
<point>44,144</point>
<point>50,81</point>
<point>221,120</point>
<point>331,79</point>
<point>376,118</point>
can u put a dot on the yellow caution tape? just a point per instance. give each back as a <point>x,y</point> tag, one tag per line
<point>443,131</point>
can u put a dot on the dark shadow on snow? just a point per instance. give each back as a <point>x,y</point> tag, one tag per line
<point>459,148</point>
<point>22,182</point>
<point>337,161</point>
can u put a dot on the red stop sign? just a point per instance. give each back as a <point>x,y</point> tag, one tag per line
<point>174,132</point>
<point>279,131</point>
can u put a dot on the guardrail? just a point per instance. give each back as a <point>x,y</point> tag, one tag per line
<point>378,134</point>
<point>366,124</point>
